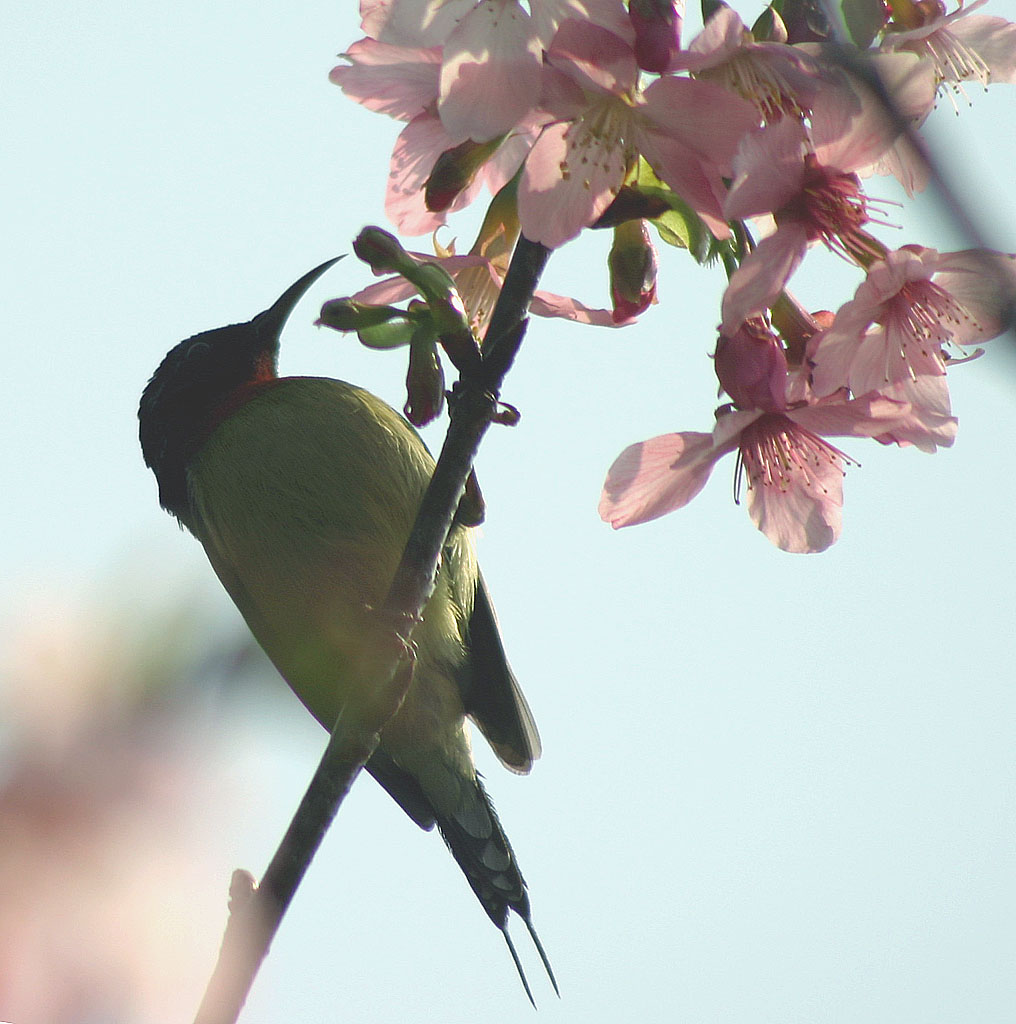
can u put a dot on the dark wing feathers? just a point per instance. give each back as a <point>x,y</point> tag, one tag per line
<point>403,788</point>
<point>490,691</point>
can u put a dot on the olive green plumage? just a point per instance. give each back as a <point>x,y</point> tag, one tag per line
<point>303,492</point>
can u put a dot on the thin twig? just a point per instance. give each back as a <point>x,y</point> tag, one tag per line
<point>256,912</point>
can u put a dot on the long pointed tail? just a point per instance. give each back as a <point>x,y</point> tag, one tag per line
<point>480,847</point>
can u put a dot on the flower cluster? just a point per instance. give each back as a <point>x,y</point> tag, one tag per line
<point>748,146</point>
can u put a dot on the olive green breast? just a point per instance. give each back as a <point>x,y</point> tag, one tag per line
<point>303,500</point>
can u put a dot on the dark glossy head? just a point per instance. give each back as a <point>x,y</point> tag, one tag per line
<point>197,378</point>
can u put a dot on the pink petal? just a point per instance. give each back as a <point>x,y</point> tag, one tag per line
<point>707,119</point>
<point>850,128</point>
<point>386,292</point>
<point>862,361</point>
<point>394,80</point>
<point>609,14</point>
<point>721,37</point>
<point>930,422</point>
<point>654,477</point>
<point>806,515</point>
<point>984,282</point>
<point>761,276</point>
<point>696,181</point>
<point>561,306</point>
<point>570,178</point>
<point>905,163</point>
<point>595,58</point>
<point>867,416</point>
<point>994,40</point>
<point>412,22</point>
<point>490,78</point>
<point>420,143</point>
<point>768,170</point>
<point>836,350</point>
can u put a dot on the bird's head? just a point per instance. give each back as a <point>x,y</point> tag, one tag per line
<point>200,381</point>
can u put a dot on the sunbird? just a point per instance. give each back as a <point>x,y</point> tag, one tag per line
<point>303,491</point>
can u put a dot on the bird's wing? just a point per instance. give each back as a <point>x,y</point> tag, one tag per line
<point>491,693</point>
<point>403,788</point>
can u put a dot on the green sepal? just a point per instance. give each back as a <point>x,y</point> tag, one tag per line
<point>348,315</point>
<point>679,225</point>
<point>393,334</point>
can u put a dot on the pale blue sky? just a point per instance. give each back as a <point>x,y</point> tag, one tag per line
<point>775,788</point>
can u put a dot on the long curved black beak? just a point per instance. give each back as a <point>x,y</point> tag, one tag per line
<point>272,320</point>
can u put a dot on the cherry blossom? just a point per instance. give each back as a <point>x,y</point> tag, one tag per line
<point>490,72</point>
<point>687,130</point>
<point>491,52</point>
<point>425,23</point>
<point>794,476</point>
<point>923,300</point>
<point>806,181</point>
<point>657,25</point>
<point>961,46</point>
<point>547,103</point>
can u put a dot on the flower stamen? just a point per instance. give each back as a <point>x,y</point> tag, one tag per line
<point>777,452</point>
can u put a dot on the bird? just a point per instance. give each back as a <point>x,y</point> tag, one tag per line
<point>303,491</point>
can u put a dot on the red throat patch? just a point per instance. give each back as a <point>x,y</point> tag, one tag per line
<point>264,376</point>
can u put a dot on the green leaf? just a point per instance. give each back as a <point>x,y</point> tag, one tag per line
<point>709,8</point>
<point>864,20</point>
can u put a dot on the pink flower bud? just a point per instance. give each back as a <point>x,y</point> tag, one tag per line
<point>425,385</point>
<point>380,250</point>
<point>752,367</point>
<point>657,25</point>
<point>633,264</point>
<point>454,170</point>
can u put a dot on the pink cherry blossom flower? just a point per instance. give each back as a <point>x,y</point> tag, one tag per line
<point>794,477</point>
<point>806,180</point>
<point>960,46</point>
<point>412,22</point>
<point>687,130</point>
<point>751,366</point>
<point>492,50</point>
<point>479,281</point>
<point>910,81</point>
<point>924,300</point>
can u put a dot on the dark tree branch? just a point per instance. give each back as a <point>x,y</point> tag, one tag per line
<point>256,912</point>
<point>949,196</point>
